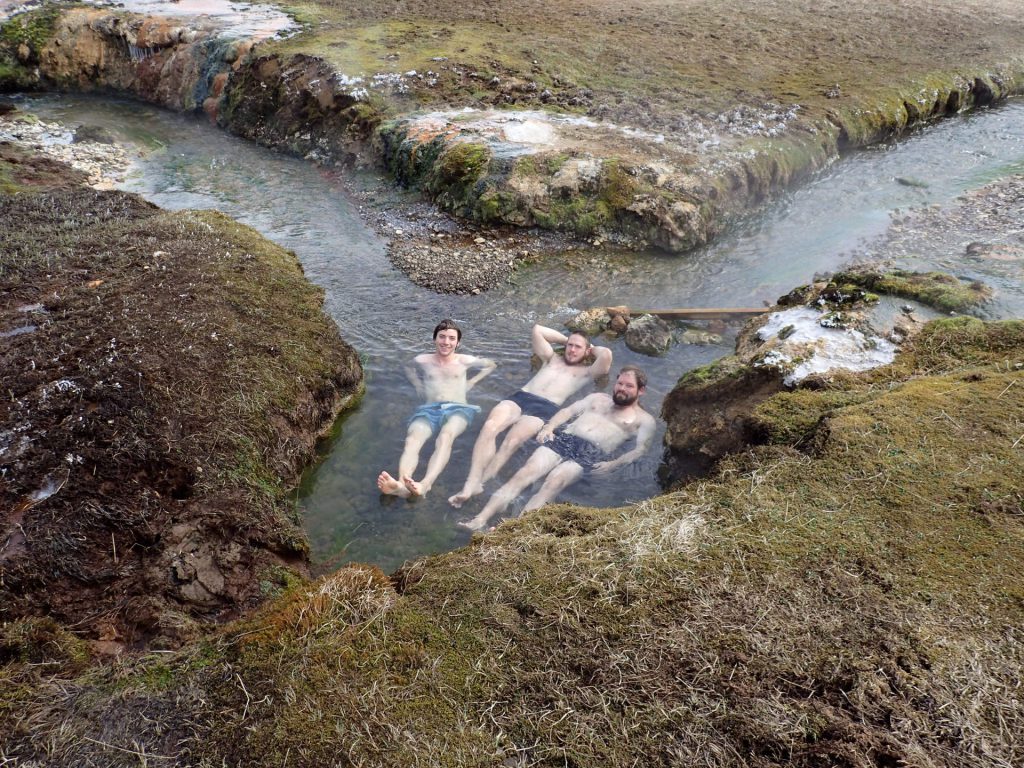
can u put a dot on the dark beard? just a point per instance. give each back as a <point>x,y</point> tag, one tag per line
<point>620,399</point>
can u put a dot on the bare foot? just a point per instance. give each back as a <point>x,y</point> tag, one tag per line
<point>473,524</point>
<point>464,495</point>
<point>387,484</point>
<point>414,488</point>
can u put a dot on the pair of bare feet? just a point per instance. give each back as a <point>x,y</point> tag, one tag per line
<point>404,487</point>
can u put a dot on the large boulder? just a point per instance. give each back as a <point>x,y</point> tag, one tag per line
<point>649,335</point>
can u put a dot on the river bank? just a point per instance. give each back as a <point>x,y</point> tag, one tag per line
<point>648,144</point>
<point>168,375</point>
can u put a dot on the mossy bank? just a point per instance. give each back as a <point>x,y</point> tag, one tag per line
<point>166,378</point>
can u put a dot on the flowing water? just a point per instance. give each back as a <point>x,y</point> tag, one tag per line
<point>186,163</point>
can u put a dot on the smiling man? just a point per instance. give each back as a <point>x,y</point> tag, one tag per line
<point>559,377</point>
<point>598,425</point>
<point>441,379</point>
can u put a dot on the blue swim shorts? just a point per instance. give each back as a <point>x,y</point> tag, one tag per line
<point>574,448</point>
<point>532,405</point>
<point>436,414</point>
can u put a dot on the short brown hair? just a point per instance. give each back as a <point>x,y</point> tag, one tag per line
<point>638,374</point>
<point>447,325</point>
<point>581,334</point>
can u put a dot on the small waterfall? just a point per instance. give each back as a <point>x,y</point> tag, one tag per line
<point>138,54</point>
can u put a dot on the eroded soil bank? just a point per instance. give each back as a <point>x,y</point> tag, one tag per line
<point>165,378</point>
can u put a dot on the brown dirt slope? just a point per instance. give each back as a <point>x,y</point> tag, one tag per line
<point>164,377</point>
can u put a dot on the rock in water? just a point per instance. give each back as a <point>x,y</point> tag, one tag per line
<point>649,335</point>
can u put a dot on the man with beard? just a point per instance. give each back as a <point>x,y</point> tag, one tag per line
<point>598,425</point>
<point>441,380</point>
<point>560,377</point>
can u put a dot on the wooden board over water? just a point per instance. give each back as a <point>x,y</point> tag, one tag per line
<point>705,313</point>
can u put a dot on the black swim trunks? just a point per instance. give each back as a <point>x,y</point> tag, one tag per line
<point>532,405</point>
<point>573,448</point>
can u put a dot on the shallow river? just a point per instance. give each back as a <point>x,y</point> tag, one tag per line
<point>186,163</point>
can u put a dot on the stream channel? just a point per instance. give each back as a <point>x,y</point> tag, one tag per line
<point>183,162</point>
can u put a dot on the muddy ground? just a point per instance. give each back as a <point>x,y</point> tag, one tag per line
<point>165,379</point>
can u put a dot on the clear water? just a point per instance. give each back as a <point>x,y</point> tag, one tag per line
<point>813,229</point>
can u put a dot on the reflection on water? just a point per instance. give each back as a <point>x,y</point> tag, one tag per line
<point>189,164</point>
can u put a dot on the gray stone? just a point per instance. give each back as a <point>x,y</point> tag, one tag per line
<point>649,335</point>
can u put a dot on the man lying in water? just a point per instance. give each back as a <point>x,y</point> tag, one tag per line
<point>441,380</point>
<point>525,412</point>
<point>598,425</point>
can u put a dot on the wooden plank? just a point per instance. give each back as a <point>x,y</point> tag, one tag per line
<point>702,313</point>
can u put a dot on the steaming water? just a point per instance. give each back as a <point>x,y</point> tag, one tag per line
<point>189,164</point>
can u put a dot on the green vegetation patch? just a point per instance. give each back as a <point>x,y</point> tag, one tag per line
<point>42,641</point>
<point>32,30</point>
<point>793,418</point>
<point>936,289</point>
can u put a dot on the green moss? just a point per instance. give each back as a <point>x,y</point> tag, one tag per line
<point>462,163</point>
<point>527,165</point>
<point>498,206</point>
<point>871,124</point>
<point>724,368</point>
<point>792,418</point>
<point>8,186</point>
<point>936,289</point>
<point>276,580</point>
<point>33,29</point>
<point>581,215</point>
<point>554,162</point>
<point>946,344</point>
<point>617,187</point>
<point>10,73</point>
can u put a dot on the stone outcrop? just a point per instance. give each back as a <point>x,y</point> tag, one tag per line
<point>818,333</point>
<point>158,60</point>
<point>297,104</point>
